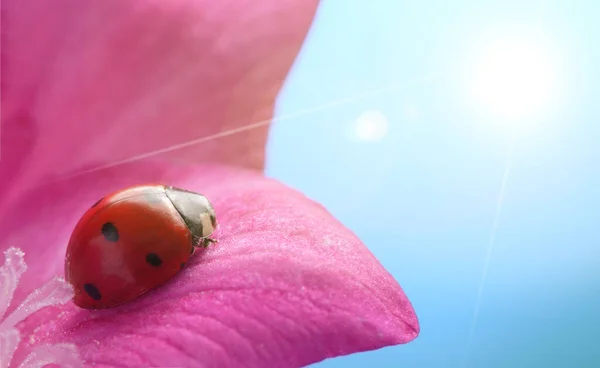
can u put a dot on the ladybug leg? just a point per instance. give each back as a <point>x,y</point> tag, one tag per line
<point>206,242</point>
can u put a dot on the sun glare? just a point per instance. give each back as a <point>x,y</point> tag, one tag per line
<point>371,126</point>
<point>514,77</point>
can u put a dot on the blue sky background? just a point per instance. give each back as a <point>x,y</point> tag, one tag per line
<point>431,184</point>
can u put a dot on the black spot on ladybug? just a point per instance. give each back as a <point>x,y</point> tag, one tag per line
<point>92,291</point>
<point>181,266</point>
<point>110,232</point>
<point>97,202</point>
<point>153,259</point>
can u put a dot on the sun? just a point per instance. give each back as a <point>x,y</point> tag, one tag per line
<point>514,76</point>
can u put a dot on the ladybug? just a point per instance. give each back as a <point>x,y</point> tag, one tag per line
<point>134,240</point>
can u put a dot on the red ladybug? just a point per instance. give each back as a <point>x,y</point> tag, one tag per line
<point>134,240</point>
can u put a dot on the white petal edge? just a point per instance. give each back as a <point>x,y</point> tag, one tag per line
<point>57,291</point>
<point>9,340</point>
<point>64,355</point>
<point>10,274</point>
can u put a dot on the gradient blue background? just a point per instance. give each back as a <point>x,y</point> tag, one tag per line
<point>424,198</point>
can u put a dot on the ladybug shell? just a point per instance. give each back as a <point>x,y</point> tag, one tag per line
<point>134,240</point>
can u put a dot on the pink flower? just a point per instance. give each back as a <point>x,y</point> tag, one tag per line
<point>98,95</point>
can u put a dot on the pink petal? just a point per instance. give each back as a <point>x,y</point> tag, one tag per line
<point>287,285</point>
<point>88,83</point>
<point>96,82</point>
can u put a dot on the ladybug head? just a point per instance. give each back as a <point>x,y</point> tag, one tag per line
<point>195,209</point>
